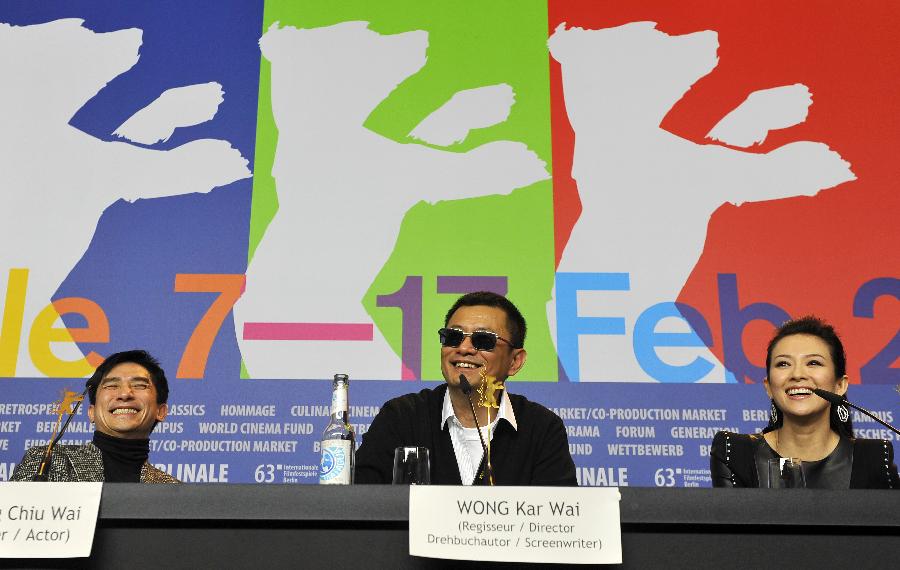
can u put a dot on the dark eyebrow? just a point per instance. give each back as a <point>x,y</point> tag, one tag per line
<point>474,329</point>
<point>804,356</point>
<point>117,379</point>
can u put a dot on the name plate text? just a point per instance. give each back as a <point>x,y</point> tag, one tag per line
<point>516,524</point>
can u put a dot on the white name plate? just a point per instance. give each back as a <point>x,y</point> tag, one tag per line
<point>48,520</point>
<point>516,524</point>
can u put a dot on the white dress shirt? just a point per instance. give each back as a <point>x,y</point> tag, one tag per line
<point>466,443</point>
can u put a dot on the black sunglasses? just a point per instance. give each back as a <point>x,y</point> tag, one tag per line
<point>481,340</point>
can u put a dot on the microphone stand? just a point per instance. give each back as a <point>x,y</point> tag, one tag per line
<point>43,472</point>
<point>838,400</point>
<point>467,390</point>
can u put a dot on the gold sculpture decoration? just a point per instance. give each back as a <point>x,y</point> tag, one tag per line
<point>63,407</point>
<point>489,392</point>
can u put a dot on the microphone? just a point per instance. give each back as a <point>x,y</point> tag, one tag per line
<point>466,387</point>
<point>43,472</point>
<point>837,399</point>
<point>467,390</point>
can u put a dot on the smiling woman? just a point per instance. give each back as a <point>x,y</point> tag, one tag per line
<point>804,355</point>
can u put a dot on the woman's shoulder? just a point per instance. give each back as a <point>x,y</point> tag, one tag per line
<point>729,444</point>
<point>873,464</point>
<point>732,459</point>
<point>734,438</point>
<point>873,448</point>
<point>864,443</point>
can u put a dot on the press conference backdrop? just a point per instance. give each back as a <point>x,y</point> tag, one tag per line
<point>263,194</point>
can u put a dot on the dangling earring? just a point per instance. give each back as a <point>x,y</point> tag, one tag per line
<point>843,413</point>
<point>773,414</point>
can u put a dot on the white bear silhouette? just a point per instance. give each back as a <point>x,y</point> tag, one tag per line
<point>56,179</point>
<point>648,194</point>
<point>342,193</point>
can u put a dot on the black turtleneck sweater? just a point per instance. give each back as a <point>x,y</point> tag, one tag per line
<point>122,458</point>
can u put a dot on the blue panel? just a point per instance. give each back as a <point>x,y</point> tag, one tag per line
<point>184,43</point>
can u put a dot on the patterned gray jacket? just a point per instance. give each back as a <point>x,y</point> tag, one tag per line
<point>78,463</point>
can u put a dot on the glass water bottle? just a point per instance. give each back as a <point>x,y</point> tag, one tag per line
<point>338,440</point>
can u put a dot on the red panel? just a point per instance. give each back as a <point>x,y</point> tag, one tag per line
<point>806,255</point>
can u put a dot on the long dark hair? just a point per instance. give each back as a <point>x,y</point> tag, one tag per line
<point>813,326</point>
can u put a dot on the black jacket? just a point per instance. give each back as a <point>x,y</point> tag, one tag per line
<point>739,460</point>
<point>535,454</point>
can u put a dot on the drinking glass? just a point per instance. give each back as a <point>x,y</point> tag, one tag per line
<point>786,473</point>
<point>412,466</point>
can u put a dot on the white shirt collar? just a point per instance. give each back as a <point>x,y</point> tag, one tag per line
<point>506,410</point>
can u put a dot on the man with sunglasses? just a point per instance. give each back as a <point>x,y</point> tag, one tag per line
<point>128,394</point>
<point>483,336</point>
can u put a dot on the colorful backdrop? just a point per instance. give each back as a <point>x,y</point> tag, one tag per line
<point>263,194</point>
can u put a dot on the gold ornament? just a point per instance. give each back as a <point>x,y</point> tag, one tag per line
<point>488,395</point>
<point>489,391</point>
<point>63,406</point>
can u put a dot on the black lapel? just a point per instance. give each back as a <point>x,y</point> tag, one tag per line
<point>501,448</point>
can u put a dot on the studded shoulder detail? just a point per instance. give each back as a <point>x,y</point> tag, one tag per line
<point>728,456</point>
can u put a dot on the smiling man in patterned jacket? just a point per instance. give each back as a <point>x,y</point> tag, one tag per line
<point>128,394</point>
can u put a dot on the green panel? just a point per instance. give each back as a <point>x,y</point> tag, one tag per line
<point>472,43</point>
